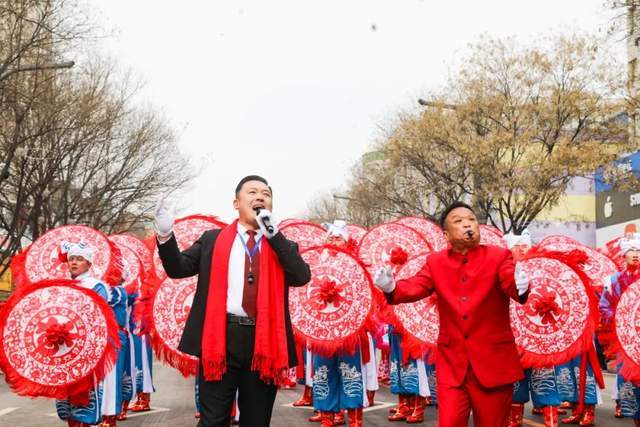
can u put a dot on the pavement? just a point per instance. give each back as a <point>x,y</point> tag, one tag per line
<point>173,405</point>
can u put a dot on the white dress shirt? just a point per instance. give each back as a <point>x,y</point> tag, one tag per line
<point>236,273</point>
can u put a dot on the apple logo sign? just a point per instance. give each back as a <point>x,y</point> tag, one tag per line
<point>608,208</point>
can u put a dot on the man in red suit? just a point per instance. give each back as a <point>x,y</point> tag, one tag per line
<point>477,357</point>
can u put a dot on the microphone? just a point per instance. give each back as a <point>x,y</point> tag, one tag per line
<point>266,221</point>
<point>469,234</point>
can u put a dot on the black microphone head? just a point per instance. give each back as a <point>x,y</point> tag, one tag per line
<point>256,210</point>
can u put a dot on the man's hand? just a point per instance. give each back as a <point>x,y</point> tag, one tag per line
<point>383,279</point>
<point>264,218</point>
<point>163,220</point>
<point>522,280</point>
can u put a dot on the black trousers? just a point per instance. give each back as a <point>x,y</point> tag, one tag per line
<point>255,397</point>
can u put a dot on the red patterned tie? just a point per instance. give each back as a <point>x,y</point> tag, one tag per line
<point>250,292</point>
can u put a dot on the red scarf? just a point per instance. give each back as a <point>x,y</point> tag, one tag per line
<point>270,356</point>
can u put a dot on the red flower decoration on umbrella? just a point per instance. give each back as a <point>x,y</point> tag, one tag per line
<point>329,292</point>
<point>542,303</point>
<point>54,335</point>
<point>398,256</point>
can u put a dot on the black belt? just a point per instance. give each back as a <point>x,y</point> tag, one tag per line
<point>241,320</point>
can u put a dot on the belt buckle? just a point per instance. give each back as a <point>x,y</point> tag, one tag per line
<point>246,321</point>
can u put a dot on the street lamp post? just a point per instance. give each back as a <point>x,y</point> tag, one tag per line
<point>38,67</point>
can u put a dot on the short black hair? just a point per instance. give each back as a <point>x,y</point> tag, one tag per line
<point>452,206</point>
<point>248,178</point>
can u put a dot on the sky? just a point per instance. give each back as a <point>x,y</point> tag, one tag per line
<point>298,90</point>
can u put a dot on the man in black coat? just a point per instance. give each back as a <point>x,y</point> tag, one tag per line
<point>241,267</point>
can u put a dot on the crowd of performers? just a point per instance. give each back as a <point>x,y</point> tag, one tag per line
<point>344,383</point>
<point>338,385</point>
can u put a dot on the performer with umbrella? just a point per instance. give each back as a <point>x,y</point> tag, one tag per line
<point>79,257</point>
<point>540,382</point>
<point>339,378</point>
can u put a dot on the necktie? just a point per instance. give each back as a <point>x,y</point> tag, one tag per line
<point>251,269</point>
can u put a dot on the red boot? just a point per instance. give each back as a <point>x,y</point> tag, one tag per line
<point>123,412</point>
<point>589,416</point>
<point>371,394</point>
<point>428,401</point>
<point>326,419</point>
<point>338,419</point>
<point>417,416</point>
<point>108,421</point>
<point>550,414</point>
<point>618,411</point>
<point>306,399</point>
<point>404,408</point>
<point>355,417</point>
<point>395,408</point>
<point>142,403</point>
<point>575,417</point>
<point>516,415</point>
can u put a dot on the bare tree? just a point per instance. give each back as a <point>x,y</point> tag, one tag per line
<point>75,146</point>
<point>35,35</point>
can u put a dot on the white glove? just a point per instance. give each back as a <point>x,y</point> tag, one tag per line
<point>522,280</point>
<point>265,218</point>
<point>163,220</point>
<point>383,279</point>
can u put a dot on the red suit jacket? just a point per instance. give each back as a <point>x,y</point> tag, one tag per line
<point>473,292</point>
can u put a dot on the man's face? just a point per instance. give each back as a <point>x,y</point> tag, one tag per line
<point>77,265</point>
<point>632,257</point>
<point>461,228</point>
<point>253,194</point>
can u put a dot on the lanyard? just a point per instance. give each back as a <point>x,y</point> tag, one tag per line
<point>251,253</point>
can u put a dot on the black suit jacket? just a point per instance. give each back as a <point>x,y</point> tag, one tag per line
<point>197,260</point>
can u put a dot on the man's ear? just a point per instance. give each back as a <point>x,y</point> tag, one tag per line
<point>236,204</point>
<point>446,235</point>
